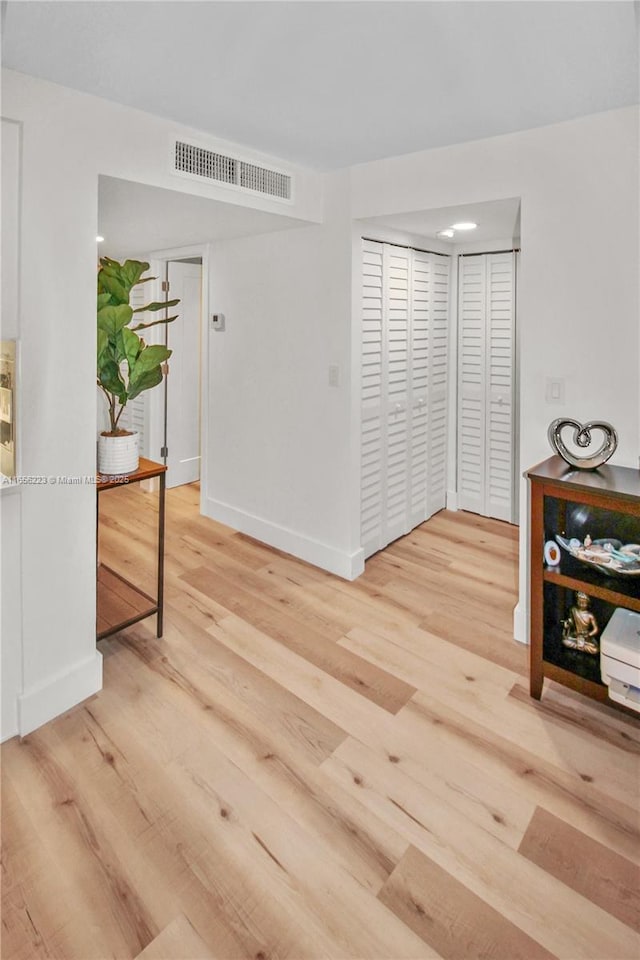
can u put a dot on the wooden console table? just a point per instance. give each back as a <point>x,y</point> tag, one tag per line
<point>119,602</point>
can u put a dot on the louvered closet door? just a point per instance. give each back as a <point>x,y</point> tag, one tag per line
<point>500,386</point>
<point>421,314</point>
<point>486,385</point>
<point>372,441</point>
<point>397,271</point>
<point>472,297</point>
<point>438,385</point>
<point>404,381</point>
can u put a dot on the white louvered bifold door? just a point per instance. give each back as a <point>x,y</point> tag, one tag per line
<point>500,385</point>
<point>404,387</point>
<point>372,441</point>
<point>397,270</point>
<point>421,318</point>
<point>472,297</point>
<point>438,385</point>
<point>486,384</point>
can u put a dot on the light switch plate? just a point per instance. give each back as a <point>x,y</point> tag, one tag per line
<point>554,390</point>
<point>217,321</point>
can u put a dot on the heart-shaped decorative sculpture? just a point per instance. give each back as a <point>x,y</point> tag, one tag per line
<point>582,438</point>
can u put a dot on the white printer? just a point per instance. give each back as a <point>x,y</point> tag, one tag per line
<point>620,657</point>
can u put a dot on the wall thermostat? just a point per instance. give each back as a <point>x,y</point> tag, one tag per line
<point>217,321</point>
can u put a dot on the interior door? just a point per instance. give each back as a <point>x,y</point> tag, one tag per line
<point>182,436</point>
<point>500,387</point>
<point>397,269</point>
<point>373,438</point>
<point>486,420</point>
<point>405,317</point>
<point>437,401</point>
<point>472,296</point>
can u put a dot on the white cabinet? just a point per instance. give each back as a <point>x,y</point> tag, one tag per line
<point>404,387</point>
<point>486,384</point>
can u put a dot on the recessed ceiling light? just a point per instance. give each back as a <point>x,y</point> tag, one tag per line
<point>99,239</point>
<point>465,225</point>
<point>445,234</point>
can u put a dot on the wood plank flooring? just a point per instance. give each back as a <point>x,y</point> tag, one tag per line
<point>311,769</point>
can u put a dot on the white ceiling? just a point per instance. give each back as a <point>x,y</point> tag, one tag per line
<point>136,219</point>
<point>496,220</point>
<point>333,84</point>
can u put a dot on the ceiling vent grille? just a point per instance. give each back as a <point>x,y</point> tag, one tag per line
<point>205,163</point>
<point>257,178</point>
<point>198,162</point>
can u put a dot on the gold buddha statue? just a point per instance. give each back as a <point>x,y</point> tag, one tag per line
<point>580,628</point>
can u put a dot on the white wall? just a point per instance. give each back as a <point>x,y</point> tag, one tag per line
<point>578,182</point>
<point>10,496</point>
<point>279,458</point>
<point>69,139</point>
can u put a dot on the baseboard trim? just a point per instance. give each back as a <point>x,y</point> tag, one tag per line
<point>520,628</point>
<point>48,700</point>
<point>345,565</point>
<point>452,500</point>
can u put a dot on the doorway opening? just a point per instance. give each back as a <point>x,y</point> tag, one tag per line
<point>425,424</point>
<point>175,231</point>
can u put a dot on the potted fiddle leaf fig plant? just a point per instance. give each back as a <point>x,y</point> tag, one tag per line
<point>126,364</point>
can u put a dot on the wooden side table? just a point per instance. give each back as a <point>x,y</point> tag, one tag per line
<point>605,503</point>
<point>120,602</point>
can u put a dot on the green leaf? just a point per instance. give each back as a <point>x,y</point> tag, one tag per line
<point>113,318</point>
<point>110,378</point>
<point>103,300</point>
<point>132,345</point>
<point>151,356</point>
<point>107,262</point>
<point>151,378</point>
<point>114,286</point>
<point>131,272</point>
<point>154,323</point>
<point>103,343</point>
<point>152,307</point>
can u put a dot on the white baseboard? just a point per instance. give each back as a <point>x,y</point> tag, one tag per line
<point>345,565</point>
<point>452,500</point>
<point>59,693</point>
<point>520,625</point>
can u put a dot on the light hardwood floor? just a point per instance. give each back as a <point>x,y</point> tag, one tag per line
<point>312,769</point>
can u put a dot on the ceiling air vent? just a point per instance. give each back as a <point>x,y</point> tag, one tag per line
<point>198,162</point>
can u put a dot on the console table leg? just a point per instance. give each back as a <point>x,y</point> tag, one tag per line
<point>160,556</point>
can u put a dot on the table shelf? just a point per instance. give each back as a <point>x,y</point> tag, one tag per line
<point>592,583</point>
<point>120,602</point>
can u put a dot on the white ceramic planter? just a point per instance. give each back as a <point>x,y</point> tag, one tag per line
<point>117,455</point>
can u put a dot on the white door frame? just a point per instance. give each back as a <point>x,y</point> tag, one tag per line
<point>156,417</point>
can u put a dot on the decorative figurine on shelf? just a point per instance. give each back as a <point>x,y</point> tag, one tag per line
<point>580,628</point>
<point>582,439</point>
